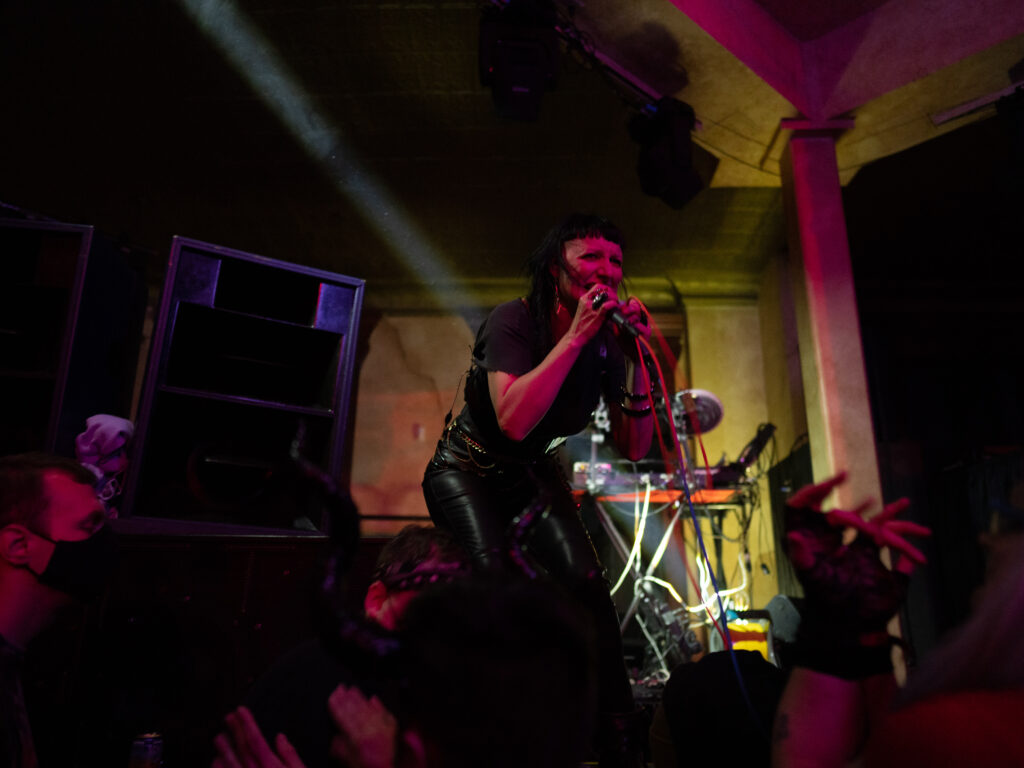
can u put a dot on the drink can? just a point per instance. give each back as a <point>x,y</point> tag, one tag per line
<point>147,751</point>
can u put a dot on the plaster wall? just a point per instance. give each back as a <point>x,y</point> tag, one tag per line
<point>407,383</point>
<point>783,379</point>
<point>727,359</point>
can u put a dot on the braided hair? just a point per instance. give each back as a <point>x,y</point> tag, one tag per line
<point>551,251</point>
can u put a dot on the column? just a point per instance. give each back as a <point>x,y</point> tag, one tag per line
<point>832,360</point>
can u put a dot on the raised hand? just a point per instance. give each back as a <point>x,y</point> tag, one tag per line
<point>848,587</point>
<point>368,734</point>
<point>243,746</point>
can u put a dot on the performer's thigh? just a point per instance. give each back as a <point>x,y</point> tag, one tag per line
<point>470,506</point>
<point>561,544</point>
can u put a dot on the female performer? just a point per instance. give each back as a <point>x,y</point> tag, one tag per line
<point>539,366</point>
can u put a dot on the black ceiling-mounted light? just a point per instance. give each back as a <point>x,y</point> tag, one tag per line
<point>519,53</point>
<point>665,161</point>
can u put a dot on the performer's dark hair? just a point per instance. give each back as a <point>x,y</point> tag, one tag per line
<point>551,251</point>
<point>501,672</point>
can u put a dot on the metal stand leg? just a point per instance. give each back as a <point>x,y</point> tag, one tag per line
<point>650,617</point>
<point>621,547</point>
<point>631,611</point>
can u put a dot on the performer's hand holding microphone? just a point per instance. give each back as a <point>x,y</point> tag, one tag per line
<point>619,318</point>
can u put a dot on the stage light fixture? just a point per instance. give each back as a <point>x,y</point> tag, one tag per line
<point>519,52</point>
<point>665,161</point>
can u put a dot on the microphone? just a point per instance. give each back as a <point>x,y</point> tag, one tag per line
<point>615,315</point>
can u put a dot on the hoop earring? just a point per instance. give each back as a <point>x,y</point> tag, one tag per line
<point>559,306</point>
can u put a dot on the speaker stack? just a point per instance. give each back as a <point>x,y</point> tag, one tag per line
<point>72,304</point>
<point>249,356</point>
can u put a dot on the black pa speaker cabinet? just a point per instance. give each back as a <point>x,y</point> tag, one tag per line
<point>72,305</point>
<point>786,477</point>
<point>248,356</point>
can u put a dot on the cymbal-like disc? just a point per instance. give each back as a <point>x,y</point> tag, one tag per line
<point>707,406</point>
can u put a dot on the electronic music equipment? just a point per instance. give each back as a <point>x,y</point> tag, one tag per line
<point>613,476</point>
<point>606,485</point>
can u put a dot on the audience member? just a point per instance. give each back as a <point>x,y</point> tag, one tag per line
<point>963,704</point>
<point>54,548</point>
<point>292,697</point>
<point>842,681</point>
<point>496,672</point>
<point>502,672</point>
<point>704,717</point>
<point>841,705</point>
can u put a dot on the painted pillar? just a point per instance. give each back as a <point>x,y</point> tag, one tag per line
<point>828,329</point>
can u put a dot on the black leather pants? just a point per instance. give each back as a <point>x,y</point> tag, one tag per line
<point>476,497</point>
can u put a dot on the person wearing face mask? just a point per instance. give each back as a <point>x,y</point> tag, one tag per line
<point>540,365</point>
<point>54,550</point>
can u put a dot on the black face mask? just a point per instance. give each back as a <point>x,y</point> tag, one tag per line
<point>81,569</point>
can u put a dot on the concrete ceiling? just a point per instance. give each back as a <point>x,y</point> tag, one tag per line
<point>356,137</point>
<point>896,67</point>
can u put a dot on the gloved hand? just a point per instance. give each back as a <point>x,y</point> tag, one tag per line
<point>850,594</point>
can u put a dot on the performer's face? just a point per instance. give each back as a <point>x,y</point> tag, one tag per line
<point>589,261</point>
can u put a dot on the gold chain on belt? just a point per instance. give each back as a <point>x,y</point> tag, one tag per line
<point>470,443</point>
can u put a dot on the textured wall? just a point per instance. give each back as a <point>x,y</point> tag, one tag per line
<point>727,359</point>
<point>407,383</point>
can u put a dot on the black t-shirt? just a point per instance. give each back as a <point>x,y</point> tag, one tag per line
<point>506,343</point>
<point>16,747</point>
